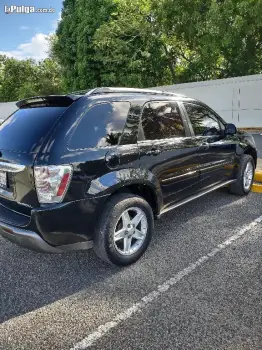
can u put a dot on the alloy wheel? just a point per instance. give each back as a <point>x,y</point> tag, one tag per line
<point>248,176</point>
<point>130,231</point>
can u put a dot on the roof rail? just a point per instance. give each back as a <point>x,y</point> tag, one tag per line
<point>95,90</point>
<point>108,90</point>
<point>81,92</point>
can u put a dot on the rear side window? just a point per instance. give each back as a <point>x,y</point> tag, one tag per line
<point>161,120</point>
<point>27,128</point>
<point>101,126</point>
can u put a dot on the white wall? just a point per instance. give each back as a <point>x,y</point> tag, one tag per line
<point>6,109</point>
<point>237,100</point>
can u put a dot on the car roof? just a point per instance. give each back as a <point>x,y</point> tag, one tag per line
<point>104,92</point>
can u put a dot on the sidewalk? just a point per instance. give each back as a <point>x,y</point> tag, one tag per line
<point>251,130</point>
<point>259,164</point>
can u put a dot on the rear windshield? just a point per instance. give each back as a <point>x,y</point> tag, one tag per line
<point>27,128</point>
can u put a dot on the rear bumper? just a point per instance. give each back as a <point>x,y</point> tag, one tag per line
<point>54,229</point>
<point>31,240</point>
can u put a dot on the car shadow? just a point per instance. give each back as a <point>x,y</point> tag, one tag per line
<point>31,280</point>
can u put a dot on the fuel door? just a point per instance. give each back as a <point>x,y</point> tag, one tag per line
<point>112,159</point>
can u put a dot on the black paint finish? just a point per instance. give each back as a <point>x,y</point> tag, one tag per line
<point>163,171</point>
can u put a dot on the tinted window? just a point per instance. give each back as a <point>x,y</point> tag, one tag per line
<point>102,126</point>
<point>26,129</point>
<point>204,122</point>
<point>161,120</point>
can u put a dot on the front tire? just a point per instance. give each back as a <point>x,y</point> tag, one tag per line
<point>125,229</point>
<point>245,176</point>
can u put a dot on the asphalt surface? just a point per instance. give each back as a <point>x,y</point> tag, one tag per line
<point>56,301</point>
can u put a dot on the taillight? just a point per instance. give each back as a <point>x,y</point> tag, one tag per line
<point>52,182</point>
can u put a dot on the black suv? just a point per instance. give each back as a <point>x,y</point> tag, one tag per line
<point>93,169</point>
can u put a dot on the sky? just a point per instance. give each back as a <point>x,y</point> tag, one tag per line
<point>24,35</point>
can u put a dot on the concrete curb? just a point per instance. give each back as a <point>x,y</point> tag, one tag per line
<point>258,176</point>
<point>251,129</point>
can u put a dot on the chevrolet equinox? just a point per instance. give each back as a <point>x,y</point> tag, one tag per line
<point>95,168</point>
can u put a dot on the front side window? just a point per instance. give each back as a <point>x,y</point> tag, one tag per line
<point>161,120</point>
<point>203,121</point>
<point>101,126</point>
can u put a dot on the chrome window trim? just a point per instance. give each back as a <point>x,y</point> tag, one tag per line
<point>12,168</point>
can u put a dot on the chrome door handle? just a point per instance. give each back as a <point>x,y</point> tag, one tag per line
<point>154,152</point>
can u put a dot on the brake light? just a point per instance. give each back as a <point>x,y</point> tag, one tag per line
<point>52,182</point>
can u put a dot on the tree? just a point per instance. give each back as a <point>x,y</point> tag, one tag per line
<point>239,35</point>
<point>74,47</point>
<point>157,42</point>
<point>215,38</point>
<point>49,78</point>
<point>15,74</point>
<point>25,78</point>
<point>2,64</point>
<point>131,45</point>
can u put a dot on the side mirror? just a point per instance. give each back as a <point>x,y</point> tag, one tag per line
<point>230,129</point>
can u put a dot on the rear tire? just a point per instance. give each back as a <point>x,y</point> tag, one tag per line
<point>124,230</point>
<point>245,176</point>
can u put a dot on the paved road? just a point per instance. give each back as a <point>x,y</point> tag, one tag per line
<point>54,302</point>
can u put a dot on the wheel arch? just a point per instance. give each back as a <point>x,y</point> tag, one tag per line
<point>252,152</point>
<point>136,181</point>
<point>145,191</point>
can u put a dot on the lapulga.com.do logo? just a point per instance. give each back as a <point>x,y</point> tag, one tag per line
<point>26,9</point>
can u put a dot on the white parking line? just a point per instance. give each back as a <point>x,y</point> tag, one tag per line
<point>149,298</point>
